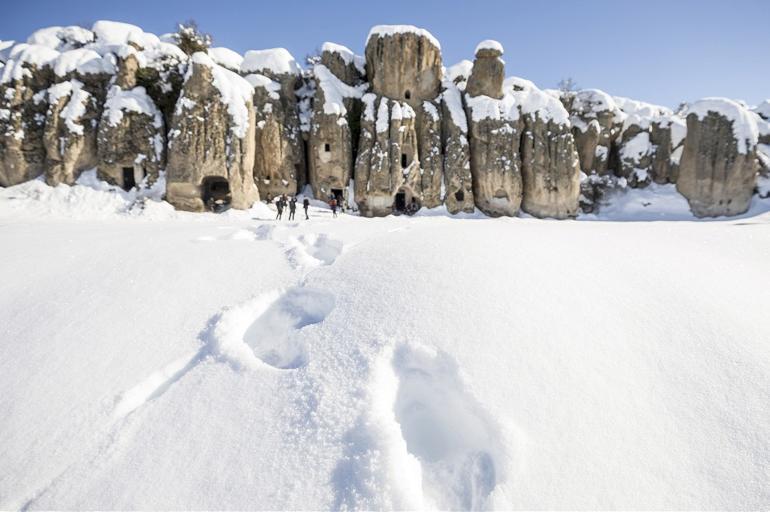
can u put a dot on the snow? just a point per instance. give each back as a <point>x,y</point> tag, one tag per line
<point>272,87</point>
<point>383,116</point>
<point>226,57</point>
<point>149,363</point>
<point>5,48</point>
<point>636,148</point>
<point>347,55</point>
<point>61,38</point>
<point>640,113</point>
<point>382,31</point>
<point>452,98</point>
<point>237,93</point>
<point>489,44</point>
<point>763,109</point>
<point>431,110</point>
<point>75,108</point>
<point>589,102</point>
<point>532,100</point>
<point>483,107</point>
<point>24,54</point>
<point>133,100</point>
<point>335,90</point>
<point>117,33</point>
<point>459,73</point>
<point>83,61</point>
<point>744,124</point>
<point>275,60</point>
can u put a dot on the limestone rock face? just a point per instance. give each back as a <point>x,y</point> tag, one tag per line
<point>23,110</point>
<point>549,161</point>
<point>388,173</point>
<point>211,151</point>
<point>430,155</point>
<point>343,63</point>
<point>403,63</point>
<point>596,123</point>
<point>717,172</point>
<point>488,71</point>
<point>279,161</point>
<point>70,132</point>
<point>458,180</point>
<point>667,136</point>
<point>131,139</point>
<point>330,145</point>
<point>495,128</point>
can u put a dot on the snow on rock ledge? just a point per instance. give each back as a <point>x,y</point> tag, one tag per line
<point>276,60</point>
<point>743,123</point>
<point>380,31</point>
<point>489,45</point>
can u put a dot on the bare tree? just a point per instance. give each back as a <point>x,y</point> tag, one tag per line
<point>190,39</point>
<point>567,85</point>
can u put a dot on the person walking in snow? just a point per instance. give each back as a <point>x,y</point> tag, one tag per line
<point>305,205</point>
<point>292,207</point>
<point>279,207</point>
<point>333,204</point>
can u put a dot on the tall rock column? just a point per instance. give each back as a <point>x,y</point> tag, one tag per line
<point>495,128</point>
<point>717,173</point>
<point>211,147</point>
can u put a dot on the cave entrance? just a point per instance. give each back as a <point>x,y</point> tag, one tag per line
<point>129,181</point>
<point>460,196</point>
<point>337,193</point>
<point>216,194</point>
<point>399,205</point>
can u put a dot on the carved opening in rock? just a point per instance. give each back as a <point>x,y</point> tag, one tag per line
<point>337,193</point>
<point>403,161</point>
<point>216,193</point>
<point>460,196</point>
<point>128,178</point>
<point>501,194</point>
<point>407,95</point>
<point>399,204</point>
<point>327,147</point>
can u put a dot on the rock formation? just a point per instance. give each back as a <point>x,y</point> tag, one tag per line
<point>384,133</point>
<point>211,147</point>
<point>718,168</point>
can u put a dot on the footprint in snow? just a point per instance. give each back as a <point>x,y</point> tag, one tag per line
<point>454,438</point>
<point>313,250</point>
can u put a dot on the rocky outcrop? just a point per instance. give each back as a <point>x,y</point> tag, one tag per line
<point>279,164</point>
<point>494,132</point>
<point>26,75</point>
<point>718,168</point>
<point>488,71</point>
<point>403,63</point>
<point>343,63</point>
<point>388,176</point>
<point>430,155</point>
<point>458,180</point>
<point>211,147</point>
<point>667,137</point>
<point>131,139</point>
<point>596,123</point>
<point>330,144</point>
<point>70,132</point>
<point>549,161</point>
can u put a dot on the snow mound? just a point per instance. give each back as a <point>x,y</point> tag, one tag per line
<point>226,57</point>
<point>744,124</point>
<point>532,100</point>
<point>237,93</point>
<point>763,110</point>
<point>61,38</point>
<point>75,108</point>
<point>346,54</point>
<point>275,60</point>
<point>84,61</point>
<point>640,113</point>
<point>458,74</point>
<point>118,33</point>
<point>133,100</point>
<point>392,30</point>
<point>22,55</point>
<point>489,44</point>
<point>90,198</point>
<point>257,80</point>
<point>483,107</point>
<point>335,90</point>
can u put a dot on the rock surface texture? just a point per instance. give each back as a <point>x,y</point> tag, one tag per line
<point>387,132</point>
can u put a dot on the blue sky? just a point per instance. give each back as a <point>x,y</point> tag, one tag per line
<point>658,51</point>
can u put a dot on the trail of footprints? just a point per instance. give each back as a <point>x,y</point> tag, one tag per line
<point>443,426</point>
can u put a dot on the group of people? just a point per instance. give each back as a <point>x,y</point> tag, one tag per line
<point>282,202</point>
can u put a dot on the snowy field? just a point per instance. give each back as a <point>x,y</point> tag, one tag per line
<point>153,359</point>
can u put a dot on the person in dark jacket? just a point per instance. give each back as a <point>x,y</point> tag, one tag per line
<point>305,205</point>
<point>279,207</point>
<point>333,204</point>
<point>292,207</point>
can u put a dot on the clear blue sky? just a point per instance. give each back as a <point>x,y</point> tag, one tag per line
<point>653,50</point>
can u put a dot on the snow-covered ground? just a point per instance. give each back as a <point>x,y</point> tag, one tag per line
<point>154,359</point>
